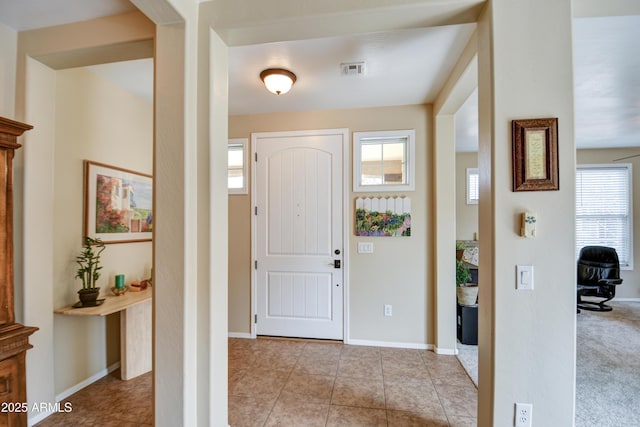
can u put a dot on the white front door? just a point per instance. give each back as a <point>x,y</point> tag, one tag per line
<point>299,233</point>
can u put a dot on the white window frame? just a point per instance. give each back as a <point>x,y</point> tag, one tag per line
<point>392,135</point>
<point>472,199</point>
<point>244,142</point>
<point>628,166</point>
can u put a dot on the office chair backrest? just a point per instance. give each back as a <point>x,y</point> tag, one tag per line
<point>597,262</point>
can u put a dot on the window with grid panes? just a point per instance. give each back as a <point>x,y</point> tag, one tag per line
<point>384,161</point>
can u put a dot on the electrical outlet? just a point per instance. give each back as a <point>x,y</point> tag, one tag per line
<point>523,414</point>
<point>388,310</point>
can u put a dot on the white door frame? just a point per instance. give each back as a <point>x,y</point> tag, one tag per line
<point>346,224</point>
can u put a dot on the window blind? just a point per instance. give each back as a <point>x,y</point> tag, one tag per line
<point>603,209</point>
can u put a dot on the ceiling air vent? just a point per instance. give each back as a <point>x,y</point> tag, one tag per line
<point>352,68</point>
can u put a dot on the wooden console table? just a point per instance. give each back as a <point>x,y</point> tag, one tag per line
<point>135,328</point>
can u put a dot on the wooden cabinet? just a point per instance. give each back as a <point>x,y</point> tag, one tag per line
<point>12,392</point>
<point>14,337</point>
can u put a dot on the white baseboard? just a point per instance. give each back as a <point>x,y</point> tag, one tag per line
<point>417,346</point>
<point>33,420</point>
<point>240,335</point>
<point>626,299</point>
<point>371,343</point>
<point>39,416</point>
<point>92,379</point>
<point>446,351</point>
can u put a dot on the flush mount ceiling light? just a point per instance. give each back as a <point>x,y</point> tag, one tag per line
<point>278,80</point>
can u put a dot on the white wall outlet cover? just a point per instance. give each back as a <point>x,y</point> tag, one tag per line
<point>524,411</point>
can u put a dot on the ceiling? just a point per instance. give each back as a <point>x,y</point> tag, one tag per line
<point>31,14</point>
<point>401,67</point>
<point>607,81</point>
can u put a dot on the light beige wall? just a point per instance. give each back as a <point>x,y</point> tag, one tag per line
<point>37,309</point>
<point>396,273</point>
<point>526,338</point>
<point>466,215</point>
<point>35,184</point>
<point>631,278</point>
<point>98,121</point>
<point>239,263</point>
<point>8,52</point>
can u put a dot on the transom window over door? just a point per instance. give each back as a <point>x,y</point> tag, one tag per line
<point>604,215</point>
<point>384,161</point>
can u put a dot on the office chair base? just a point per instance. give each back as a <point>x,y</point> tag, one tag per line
<point>594,306</point>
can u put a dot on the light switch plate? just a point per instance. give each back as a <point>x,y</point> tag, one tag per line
<point>365,247</point>
<point>524,277</point>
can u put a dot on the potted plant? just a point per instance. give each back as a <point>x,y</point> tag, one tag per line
<point>467,293</point>
<point>89,271</point>
<point>460,247</point>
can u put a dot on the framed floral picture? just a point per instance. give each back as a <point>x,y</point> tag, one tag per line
<point>383,216</point>
<point>118,204</point>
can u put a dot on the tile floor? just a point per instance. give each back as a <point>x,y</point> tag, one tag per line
<point>108,402</point>
<point>275,382</point>
<point>299,383</point>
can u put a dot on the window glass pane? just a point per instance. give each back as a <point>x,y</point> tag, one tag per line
<point>372,166</point>
<point>371,174</point>
<point>393,173</point>
<point>473,186</point>
<point>383,161</point>
<point>371,152</point>
<point>394,151</point>
<point>236,156</point>
<point>603,209</point>
<point>394,163</point>
<point>236,166</point>
<point>235,178</point>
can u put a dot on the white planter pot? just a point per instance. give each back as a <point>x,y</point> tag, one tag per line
<point>467,295</point>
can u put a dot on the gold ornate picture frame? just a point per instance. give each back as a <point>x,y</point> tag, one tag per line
<point>535,154</point>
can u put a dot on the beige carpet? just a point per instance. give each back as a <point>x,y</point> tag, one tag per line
<point>607,366</point>
<point>468,356</point>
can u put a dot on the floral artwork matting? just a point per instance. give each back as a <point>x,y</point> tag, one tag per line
<point>384,217</point>
<point>118,204</point>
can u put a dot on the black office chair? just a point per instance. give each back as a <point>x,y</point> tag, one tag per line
<point>598,276</point>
